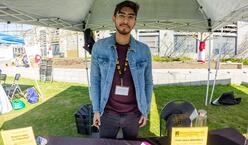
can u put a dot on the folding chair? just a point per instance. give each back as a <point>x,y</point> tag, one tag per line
<point>177,113</point>
<point>14,88</point>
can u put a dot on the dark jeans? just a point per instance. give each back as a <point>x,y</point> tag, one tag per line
<point>112,122</point>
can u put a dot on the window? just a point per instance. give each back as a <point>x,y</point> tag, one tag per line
<point>150,38</point>
<point>185,44</point>
<point>226,44</point>
<point>56,50</point>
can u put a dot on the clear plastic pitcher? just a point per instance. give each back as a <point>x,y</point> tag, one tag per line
<point>201,119</point>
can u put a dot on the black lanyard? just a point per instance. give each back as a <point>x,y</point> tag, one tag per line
<point>120,71</point>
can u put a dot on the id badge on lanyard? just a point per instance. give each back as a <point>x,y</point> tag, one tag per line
<point>121,90</point>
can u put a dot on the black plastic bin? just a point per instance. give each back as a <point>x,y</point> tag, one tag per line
<point>83,118</point>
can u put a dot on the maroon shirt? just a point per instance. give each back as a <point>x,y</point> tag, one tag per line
<point>119,103</point>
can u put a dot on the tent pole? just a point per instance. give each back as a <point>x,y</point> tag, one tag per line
<point>34,76</point>
<point>216,72</point>
<point>36,82</point>
<point>32,70</point>
<point>85,53</point>
<point>209,69</point>
<point>87,71</point>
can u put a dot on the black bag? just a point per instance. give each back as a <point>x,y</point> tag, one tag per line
<point>88,40</point>
<point>83,118</point>
<point>177,113</point>
<point>227,98</point>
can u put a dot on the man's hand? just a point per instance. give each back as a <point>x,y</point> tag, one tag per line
<point>142,121</point>
<point>96,120</point>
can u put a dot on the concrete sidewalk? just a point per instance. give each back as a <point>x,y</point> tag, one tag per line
<point>160,76</point>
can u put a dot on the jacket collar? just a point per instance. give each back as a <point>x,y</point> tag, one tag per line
<point>132,42</point>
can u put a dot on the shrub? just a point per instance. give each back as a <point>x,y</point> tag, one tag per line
<point>170,59</point>
<point>244,61</point>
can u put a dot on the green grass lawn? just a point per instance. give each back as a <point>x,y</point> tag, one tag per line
<point>55,115</point>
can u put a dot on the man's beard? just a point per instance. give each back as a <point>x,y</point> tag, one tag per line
<point>123,32</point>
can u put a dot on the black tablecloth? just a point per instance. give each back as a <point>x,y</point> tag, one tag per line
<point>227,136</point>
<point>88,141</point>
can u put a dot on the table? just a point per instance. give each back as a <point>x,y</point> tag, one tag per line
<point>227,136</point>
<point>88,141</point>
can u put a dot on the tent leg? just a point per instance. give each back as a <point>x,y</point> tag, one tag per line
<point>87,71</point>
<point>34,76</point>
<point>212,92</point>
<point>206,97</point>
<point>209,69</point>
<point>216,72</point>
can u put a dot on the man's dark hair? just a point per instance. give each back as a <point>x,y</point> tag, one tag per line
<point>134,6</point>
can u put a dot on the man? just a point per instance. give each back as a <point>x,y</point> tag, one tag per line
<point>121,78</point>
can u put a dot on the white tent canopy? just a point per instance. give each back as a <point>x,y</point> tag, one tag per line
<point>5,105</point>
<point>179,15</point>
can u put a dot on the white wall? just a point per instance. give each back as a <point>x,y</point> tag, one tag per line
<point>166,42</point>
<point>242,39</point>
<point>6,52</point>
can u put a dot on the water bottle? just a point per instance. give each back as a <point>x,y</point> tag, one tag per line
<point>41,140</point>
<point>201,119</point>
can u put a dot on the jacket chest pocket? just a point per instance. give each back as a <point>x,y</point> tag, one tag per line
<point>141,65</point>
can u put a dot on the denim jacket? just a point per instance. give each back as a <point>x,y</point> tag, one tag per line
<point>103,65</point>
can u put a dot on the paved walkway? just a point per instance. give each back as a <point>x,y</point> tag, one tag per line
<point>160,76</point>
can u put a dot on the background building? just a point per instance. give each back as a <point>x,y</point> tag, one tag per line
<point>230,41</point>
